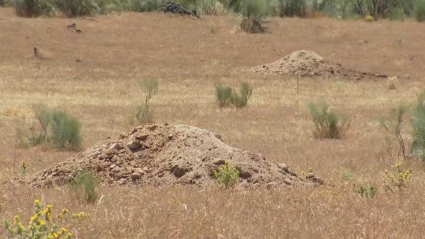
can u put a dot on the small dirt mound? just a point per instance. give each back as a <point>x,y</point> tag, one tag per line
<point>173,7</point>
<point>309,64</point>
<point>163,155</point>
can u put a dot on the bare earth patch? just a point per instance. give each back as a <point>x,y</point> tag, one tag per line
<point>308,63</point>
<point>163,155</point>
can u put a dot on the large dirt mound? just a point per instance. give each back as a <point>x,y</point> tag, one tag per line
<point>163,155</point>
<point>307,63</point>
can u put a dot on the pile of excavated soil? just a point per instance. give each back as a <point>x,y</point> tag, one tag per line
<point>309,64</point>
<point>164,155</point>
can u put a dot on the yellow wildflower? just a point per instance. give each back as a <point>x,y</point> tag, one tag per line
<point>41,222</point>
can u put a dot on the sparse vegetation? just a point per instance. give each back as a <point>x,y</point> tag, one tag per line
<point>41,225</point>
<point>227,96</point>
<point>418,125</point>
<point>53,126</point>
<point>290,8</point>
<point>328,124</point>
<point>175,48</point>
<point>420,10</point>
<point>366,192</point>
<point>34,8</point>
<point>144,114</point>
<point>24,168</point>
<point>73,8</point>
<point>392,82</point>
<point>226,175</point>
<point>223,94</point>
<point>347,176</point>
<point>398,179</point>
<point>213,27</point>
<point>394,127</point>
<point>84,186</point>
<point>240,100</point>
<point>253,12</point>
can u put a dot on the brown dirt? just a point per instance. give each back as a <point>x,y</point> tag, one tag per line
<point>308,63</point>
<point>101,91</point>
<point>163,155</point>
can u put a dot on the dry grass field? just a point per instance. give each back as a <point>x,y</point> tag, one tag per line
<point>188,59</point>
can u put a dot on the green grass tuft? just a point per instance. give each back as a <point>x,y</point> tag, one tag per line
<point>328,124</point>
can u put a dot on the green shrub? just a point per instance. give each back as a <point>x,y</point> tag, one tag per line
<point>65,130</point>
<point>241,100</point>
<point>146,5</point>
<point>394,127</point>
<point>34,8</point>
<point>366,192</point>
<point>210,7</point>
<point>397,14</point>
<point>72,8</point>
<point>347,176</point>
<point>418,125</point>
<point>84,186</point>
<point>144,114</point>
<point>420,11</point>
<point>328,124</point>
<point>227,96</point>
<point>289,8</point>
<point>253,12</point>
<point>108,6</point>
<point>223,93</point>
<point>55,127</point>
<point>226,175</point>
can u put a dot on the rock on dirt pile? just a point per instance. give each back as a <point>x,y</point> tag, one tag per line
<point>307,63</point>
<point>164,155</point>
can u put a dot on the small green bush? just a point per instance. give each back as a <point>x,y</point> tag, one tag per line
<point>289,8</point>
<point>146,5</point>
<point>420,11</point>
<point>418,125</point>
<point>73,8</point>
<point>84,186</point>
<point>394,127</point>
<point>253,13</point>
<point>227,96</point>
<point>366,192</point>
<point>328,124</point>
<point>65,130</point>
<point>55,127</point>
<point>241,100</point>
<point>226,175</point>
<point>210,7</point>
<point>144,114</point>
<point>34,8</point>
<point>397,14</point>
<point>223,93</point>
